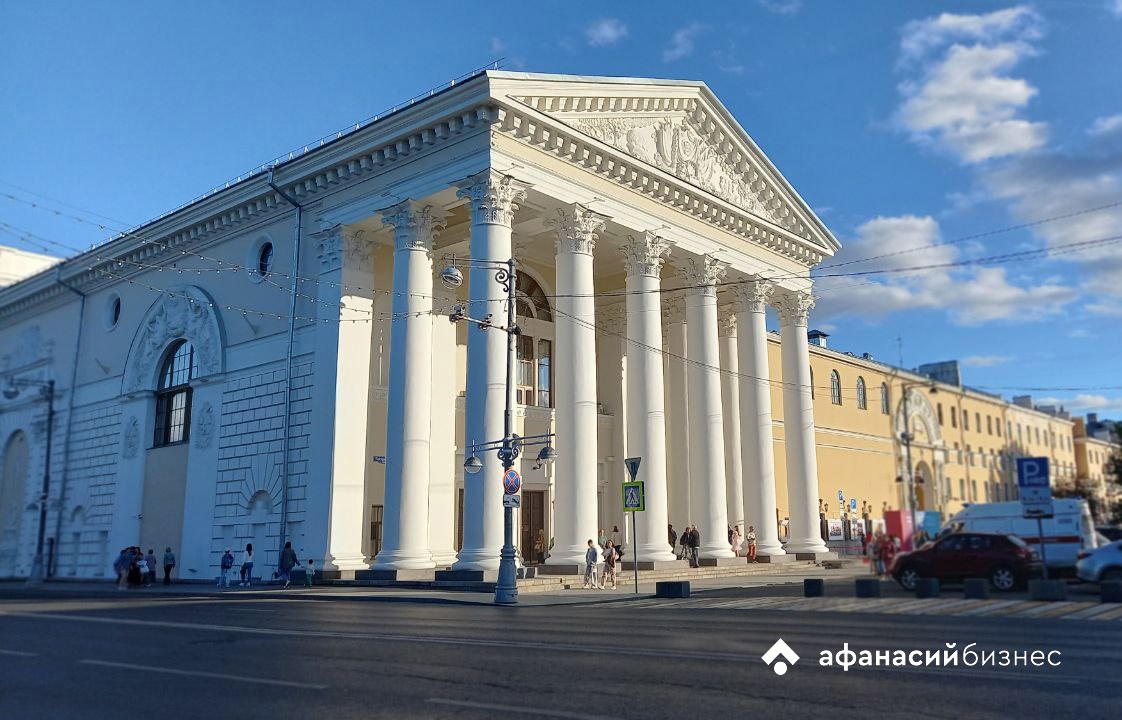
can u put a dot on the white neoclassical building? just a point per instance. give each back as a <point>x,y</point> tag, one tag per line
<point>236,370</point>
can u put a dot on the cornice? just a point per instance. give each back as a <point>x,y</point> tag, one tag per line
<point>526,120</point>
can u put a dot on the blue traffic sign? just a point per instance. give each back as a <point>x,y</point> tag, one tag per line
<point>841,495</point>
<point>1032,472</point>
<point>853,504</point>
<point>512,482</point>
<point>632,464</point>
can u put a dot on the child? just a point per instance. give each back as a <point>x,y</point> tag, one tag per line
<point>309,573</point>
<point>224,565</point>
<point>590,557</point>
<point>751,538</point>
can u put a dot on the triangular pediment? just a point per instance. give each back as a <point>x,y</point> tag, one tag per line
<point>682,131</point>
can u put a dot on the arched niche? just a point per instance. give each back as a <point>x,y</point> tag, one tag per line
<point>185,312</point>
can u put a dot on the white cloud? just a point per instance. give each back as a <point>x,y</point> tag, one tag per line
<point>682,42</point>
<point>1083,402</point>
<point>961,96</point>
<point>970,296</point>
<point>786,7</point>
<point>986,360</point>
<point>1115,7</point>
<point>1106,125</point>
<point>497,46</point>
<point>605,32</point>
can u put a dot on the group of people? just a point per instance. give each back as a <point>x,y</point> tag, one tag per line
<point>881,549</point>
<point>689,543</point>
<point>285,565</point>
<point>612,554</point>
<point>136,569</point>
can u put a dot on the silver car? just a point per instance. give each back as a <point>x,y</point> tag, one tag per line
<point>1101,564</point>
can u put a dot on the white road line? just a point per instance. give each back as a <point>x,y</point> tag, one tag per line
<point>18,653</point>
<point>519,709</point>
<point>200,673</point>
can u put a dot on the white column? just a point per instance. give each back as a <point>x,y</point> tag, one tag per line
<point>707,441</point>
<point>757,444</point>
<point>730,411</point>
<point>442,434</point>
<point>677,415</point>
<point>798,425</point>
<point>575,367</point>
<point>338,444</point>
<point>405,544</point>
<point>646,416</point>
<point>493,198</point>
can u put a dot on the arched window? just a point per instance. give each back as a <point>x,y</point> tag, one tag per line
<point>835,388</point>
<point>173,396</point>
<point>884,398</point>
<point>862,396</point>
<point>535,355</point>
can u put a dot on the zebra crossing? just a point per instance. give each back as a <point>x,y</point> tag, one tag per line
<point>1067,610</point>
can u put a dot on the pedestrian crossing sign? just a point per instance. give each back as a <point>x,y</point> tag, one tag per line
<point>634,498</point>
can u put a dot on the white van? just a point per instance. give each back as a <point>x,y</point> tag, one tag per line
<point>1065,534</point>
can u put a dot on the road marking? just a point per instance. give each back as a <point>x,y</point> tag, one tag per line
<point>519,709</point>
<point>200,673</point>
<point>18,653</point>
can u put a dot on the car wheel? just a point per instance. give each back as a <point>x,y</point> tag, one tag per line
<point>908,578</point>
<point>1111,575</point>
<point>1003,578</point>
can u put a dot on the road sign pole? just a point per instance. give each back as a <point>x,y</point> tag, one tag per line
<point>635,550</point>
<point>1043,556</point>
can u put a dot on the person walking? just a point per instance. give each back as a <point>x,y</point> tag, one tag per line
<point>150,561</point>
<point>288,560</point>
<point>224,567</point>
<point>309,574</point>
<point>886,555</point>
<point>246,573</point>
<point>121,567</point>
<point>751,539</point>
<point>695,546</point>
<point>590,556</point>
<point>684,543</point>
<point>169,565</point>
<point>736,539</point>
<point>611,556</point>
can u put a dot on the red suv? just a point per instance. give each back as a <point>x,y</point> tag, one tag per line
<point>1004,559</point>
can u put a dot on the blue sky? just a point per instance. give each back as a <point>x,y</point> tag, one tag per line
<point>902,123</point>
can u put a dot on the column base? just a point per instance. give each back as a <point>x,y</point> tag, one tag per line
<point>481,560</point>
<point>355,561</point>
<point>657,565</point>
<point>729,561</point>
<point>657,554</point>
<point>816,556</point>
<point>388,577</point>
<point>560,569</point>
<point>461,576</point>
<point>403,560</point>
<point>781,558</point>
<point>813,545</point>
<point>715,552</point>
<point>444,560</point>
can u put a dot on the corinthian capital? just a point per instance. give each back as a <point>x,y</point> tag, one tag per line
<point>794,307</point>
<point>577,229</point>
<point>673,308</point>
<point>726,325</point>
<point>329,247</point>
<point>415,225</point>
<point>644,255</point>
<point>493,197</point>
<point>754,294</point>
<point>703,273</point>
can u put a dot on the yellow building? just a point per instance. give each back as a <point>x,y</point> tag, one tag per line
<point>1092,463</point>
<point>964,441</point>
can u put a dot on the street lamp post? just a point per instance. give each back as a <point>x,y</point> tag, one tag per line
<point>510,447</point>
<point>47,390</point>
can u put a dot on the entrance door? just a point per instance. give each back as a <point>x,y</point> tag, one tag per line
<point>535,540</point>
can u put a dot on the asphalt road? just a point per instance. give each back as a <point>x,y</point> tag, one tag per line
<point>106,656</point>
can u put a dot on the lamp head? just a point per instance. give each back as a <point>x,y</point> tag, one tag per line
<point>473,465</point>
<point>452,277</point>
<point>547,454</point>
<point>10,390</point>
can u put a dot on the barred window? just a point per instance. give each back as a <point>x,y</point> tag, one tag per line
<point>173,396</point>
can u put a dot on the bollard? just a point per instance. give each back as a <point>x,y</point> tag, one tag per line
<point>814,587</point>
<point>1111,591</point>
<point>672,589</point>
<point>867,587</point>
<point>976,589</point>
<point>1048,590</point>
<point>927,588</point>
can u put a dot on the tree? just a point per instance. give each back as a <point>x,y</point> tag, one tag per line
<point>1085,489</point>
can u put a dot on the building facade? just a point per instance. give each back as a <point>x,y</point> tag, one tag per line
<point>276,361</point>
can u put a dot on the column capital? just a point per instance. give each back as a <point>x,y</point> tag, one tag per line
<point>726,325</point>
<point>794,307</point>
<point>493,197</point>
<point>337,247</point>
<point>645,254</point>
<point>754,294</point>
<point>702,274</point>
<point>416,224</point>
<point>577,229</point>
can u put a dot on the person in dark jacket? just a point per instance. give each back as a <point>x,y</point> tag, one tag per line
<point>288,560</point>
<point>169,565</point>
<point>695,545</point>
<point>671,536</point>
